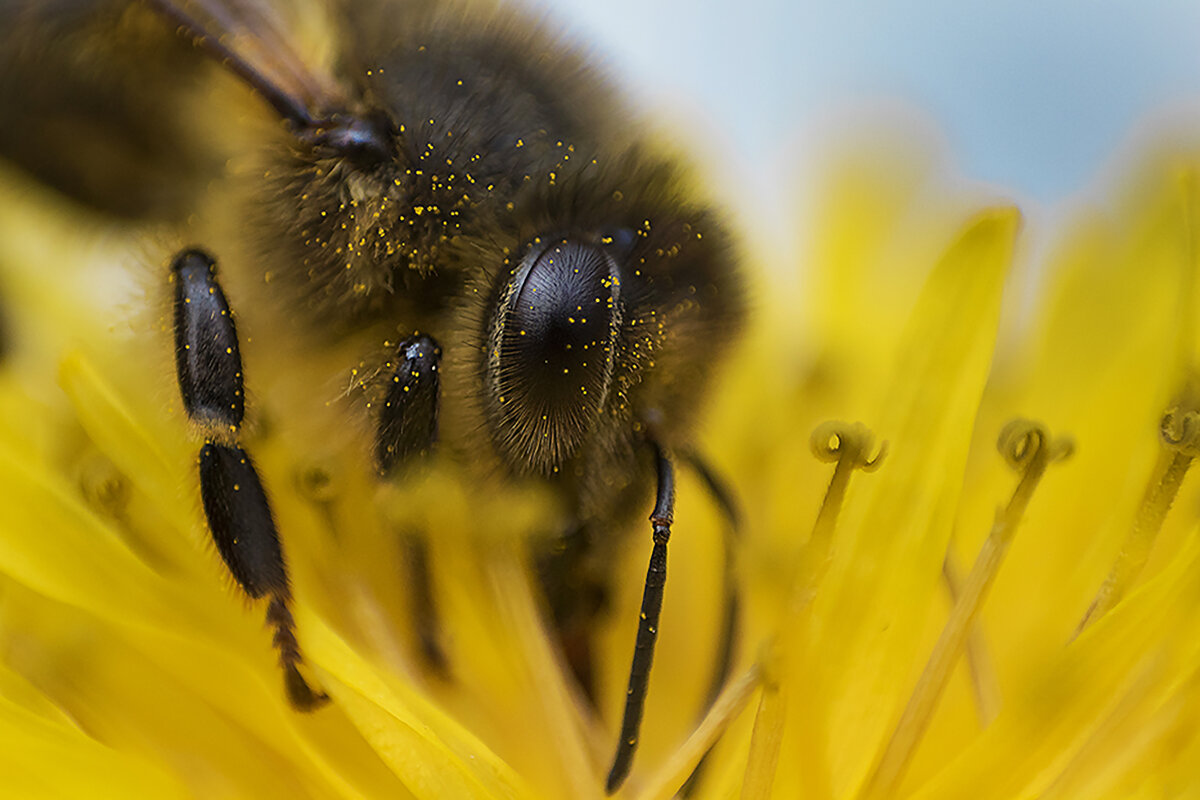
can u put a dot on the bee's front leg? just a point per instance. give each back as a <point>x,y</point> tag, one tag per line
<point>209,369</point>
<point>406,429</point>
<point>407,426</point>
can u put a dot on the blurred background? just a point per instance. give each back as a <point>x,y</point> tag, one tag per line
<point>1034,99</point>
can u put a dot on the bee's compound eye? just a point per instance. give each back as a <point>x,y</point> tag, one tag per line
<point>550,355</point>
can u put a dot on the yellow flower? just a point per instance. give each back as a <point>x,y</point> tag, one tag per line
<point>876,661</point>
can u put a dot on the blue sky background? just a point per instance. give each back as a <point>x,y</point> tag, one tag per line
<point>1032,97</point>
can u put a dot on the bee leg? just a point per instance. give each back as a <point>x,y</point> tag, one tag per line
<point>724,498</point>
<point>209,370</point>
<point>406,429</point>
<point>408,419</point>
<point>424,608</point>
<point>652,597</point>
<point>727,504</point>
<point>573,581</point>
<point>243,529</point>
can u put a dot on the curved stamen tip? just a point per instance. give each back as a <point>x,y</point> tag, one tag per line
<point>1022,442</point>
<point>1180,431</point>
<point>836,440</point>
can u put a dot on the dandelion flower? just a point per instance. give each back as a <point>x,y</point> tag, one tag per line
<point>923,616</point>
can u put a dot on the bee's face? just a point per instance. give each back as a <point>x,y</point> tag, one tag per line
<point>499,204</point>
<point>544,295</point>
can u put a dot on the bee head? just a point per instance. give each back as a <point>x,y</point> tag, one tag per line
<point>551,349</point>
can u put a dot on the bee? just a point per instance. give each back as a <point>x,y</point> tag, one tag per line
<point>454,182</point>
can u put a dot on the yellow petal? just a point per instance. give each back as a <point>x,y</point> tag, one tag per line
<point>870,616</point>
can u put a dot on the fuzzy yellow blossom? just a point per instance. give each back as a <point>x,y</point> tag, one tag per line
<point>923,615</point>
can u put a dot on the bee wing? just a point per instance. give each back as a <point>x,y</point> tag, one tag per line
<point>96,102</point>
<point>105,100</point>
<point>260,44</point>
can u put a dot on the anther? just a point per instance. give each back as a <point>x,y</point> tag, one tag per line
<point>849,445</point>
<point>1025,446</point>
<point>837,441</point>
<point>1180,432</point>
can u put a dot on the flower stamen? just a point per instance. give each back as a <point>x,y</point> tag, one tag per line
<point>1179,432</point>
<point>1028,449</point>
<point>668,779</point>
<point>984,686</point>
<point>1180,436</point>
<point>850,446</point>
